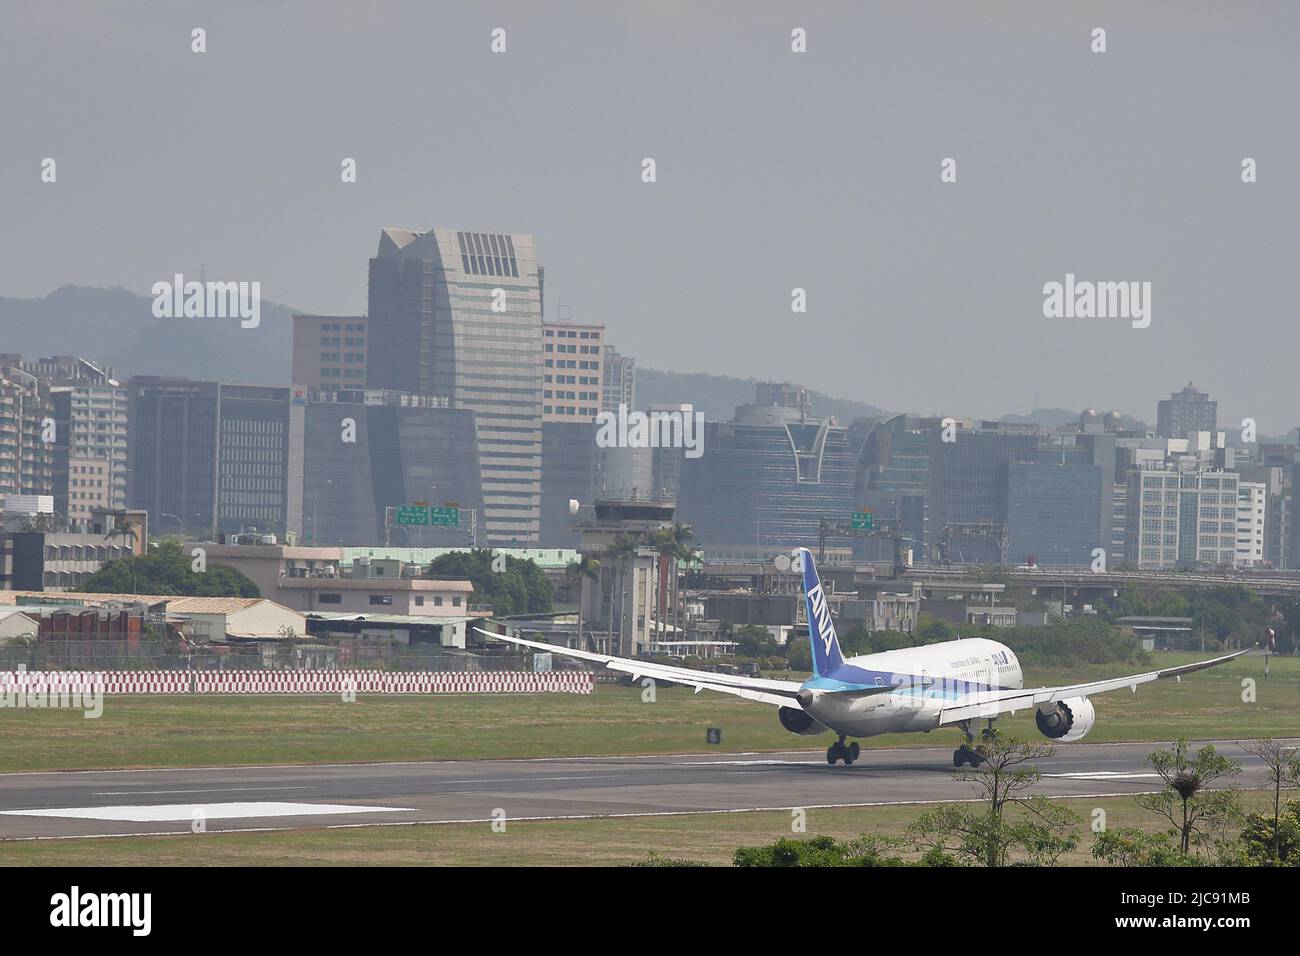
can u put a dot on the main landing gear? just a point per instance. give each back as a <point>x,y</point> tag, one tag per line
<point>841,751</point>
<point>966,754</point>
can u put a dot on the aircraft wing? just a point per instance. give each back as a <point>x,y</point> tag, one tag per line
<point>780,693</point>
<point>990,703</point>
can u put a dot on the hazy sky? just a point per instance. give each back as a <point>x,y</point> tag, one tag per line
<point>775,170</point>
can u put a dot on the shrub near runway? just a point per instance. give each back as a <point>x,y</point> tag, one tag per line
<point>214,731</point>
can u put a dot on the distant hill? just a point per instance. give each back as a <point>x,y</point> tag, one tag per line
<point>718,395</point>
<point>117,327</point>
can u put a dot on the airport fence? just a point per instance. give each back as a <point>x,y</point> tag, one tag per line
<point>104,655</point>
<point>39,688</point>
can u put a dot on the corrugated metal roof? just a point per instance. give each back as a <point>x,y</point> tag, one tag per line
<point>11,597</point>
<point>212,605</point>
<point>176,603</point>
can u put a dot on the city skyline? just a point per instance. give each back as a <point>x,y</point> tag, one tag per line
<point>1145,413</point>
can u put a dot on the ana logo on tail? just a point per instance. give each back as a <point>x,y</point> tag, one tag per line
<point>821,628</point>
<point>822,612</point>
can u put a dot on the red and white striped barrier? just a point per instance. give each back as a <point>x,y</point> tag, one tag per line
<point>108,682</point>
<point>300,682</point>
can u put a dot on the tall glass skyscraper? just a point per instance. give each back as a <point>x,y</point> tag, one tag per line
<point>459,315</point>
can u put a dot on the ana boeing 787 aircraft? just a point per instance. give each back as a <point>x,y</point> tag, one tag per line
<point>957,683</point>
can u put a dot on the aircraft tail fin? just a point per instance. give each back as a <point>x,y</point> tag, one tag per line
<point>825,645</point>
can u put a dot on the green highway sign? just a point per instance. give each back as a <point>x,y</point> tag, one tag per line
<point>863,521</point>
<point>445,516</point>
<point>412,515</point>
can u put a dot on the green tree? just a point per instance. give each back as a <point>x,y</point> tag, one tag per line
<point>888,641</point>
<point>1130,846</point>
<point>753,640</point>
<point>620,552</point>
<point>798,654</point>
<point>576,574</point>
<point>856,640</point>
<point>520,587</point>
<point>933,630</point>
<point>1273,839</point>
<point>1288,635</point>
<point>1186,800</point>
<point>673,545</point>
<point>1082,641</point>
<point>981,833</point>
<point>1283,771</point>
<point>168,570</point>
<point>122,530</point>
<point>1227,616</point>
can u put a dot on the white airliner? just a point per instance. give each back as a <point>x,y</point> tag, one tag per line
<point>914,689</point>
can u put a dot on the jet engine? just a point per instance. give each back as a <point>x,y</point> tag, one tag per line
<point>799,721</point>
<point>1066,720</point>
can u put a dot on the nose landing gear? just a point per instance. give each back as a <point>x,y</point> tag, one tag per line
<point>841,751</point>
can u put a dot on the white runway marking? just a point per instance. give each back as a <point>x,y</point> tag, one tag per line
<point>751,763</point>
<point>1103,775</point>
<point>172,812</point>
<point>137,793</point>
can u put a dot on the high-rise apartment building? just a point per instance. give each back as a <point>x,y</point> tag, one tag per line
<point>1251,506</point>
<point>92,425</point>
<point>619,381</point>
<point>26,457</point>
<point>1186,411</point>
<point>1181,518</point>
<point>572,371</point>
<point>87,489</point>
<point>89,410</point>
<point>458,315</point>
<point>1119,523</point>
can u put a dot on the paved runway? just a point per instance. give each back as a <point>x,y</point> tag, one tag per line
<point>116,802</point>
